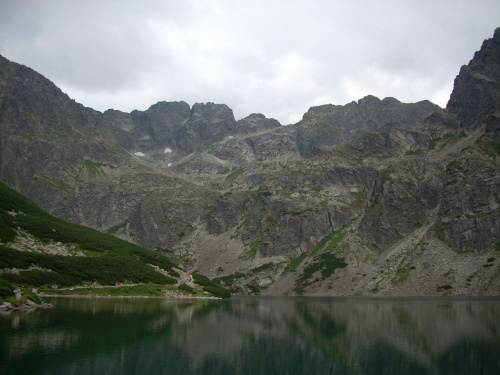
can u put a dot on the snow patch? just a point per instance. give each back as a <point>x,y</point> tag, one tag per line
<point>168,150</point>
<point>230,137</point>
<point>169,164</point>
<point>139,154</point>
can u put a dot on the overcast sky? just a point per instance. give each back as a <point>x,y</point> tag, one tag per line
<point>274,57</point>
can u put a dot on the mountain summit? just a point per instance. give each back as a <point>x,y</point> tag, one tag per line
<point>476,93</point>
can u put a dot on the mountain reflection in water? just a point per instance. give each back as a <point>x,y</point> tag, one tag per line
<point>252,335</point>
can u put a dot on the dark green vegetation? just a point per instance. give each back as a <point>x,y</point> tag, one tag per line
<point>108,260</point>
<point>444,287</point>
<point>319,267</point>
<point>68,270</point>
<point>254,287</point>
<point>32,297</point>
<point>294,263</point>
<point>186,288</point>
<point>238,281</point>
<point>146,290</point>
<point>6,289</point>
<point>325,264</point>
<point>211,286</point>
<point>330,241</point>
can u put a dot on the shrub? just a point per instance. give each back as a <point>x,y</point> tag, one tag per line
<point>32,297</point>
<point>186,288</point>
<point>264,267</point>
<point>6,289</point>
<point>254,287</point>
<point>76,270</point>
<point>294,264</point>
<point>217,291</point>
<point>444,287</point>
<point>210,286</point>
<point>152,257</point>
<point>202,280</point>
<point>7,232</point>
<point>40,278</point>
<point>325,263</point>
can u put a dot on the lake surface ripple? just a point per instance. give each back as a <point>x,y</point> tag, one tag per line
<point>254,335</point>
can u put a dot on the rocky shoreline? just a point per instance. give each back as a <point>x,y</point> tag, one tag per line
<point>7,307</point>
<point>166,296</point>
<point>28,306</point>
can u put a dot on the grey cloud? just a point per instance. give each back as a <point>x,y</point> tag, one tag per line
<point>277,58</point>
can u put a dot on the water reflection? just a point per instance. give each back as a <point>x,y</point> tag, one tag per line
<point>255,335</point>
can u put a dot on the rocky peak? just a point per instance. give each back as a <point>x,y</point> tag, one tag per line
<point>255,116</point>
<point>333,124</point>
<point>166,118</point>
<point>147,130</point>
<point>316,112</point>
<point>208,123</point>
<point>369,101</point>
<point>117,120</point>
<point>212,112</point>
<point>37,104</point>
<point>167,109</point>
<point>393,101</point>
<point>476,93</point>
<point>254,123</point>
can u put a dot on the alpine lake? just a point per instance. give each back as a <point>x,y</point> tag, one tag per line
<point>254,335</point>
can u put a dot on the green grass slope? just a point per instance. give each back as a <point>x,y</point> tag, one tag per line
<point>106,261</point>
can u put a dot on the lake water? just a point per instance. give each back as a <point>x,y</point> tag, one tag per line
<point>254,335</point>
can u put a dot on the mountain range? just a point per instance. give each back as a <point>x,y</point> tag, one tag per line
<point>375,197</point>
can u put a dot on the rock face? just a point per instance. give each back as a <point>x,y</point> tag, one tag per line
<point>330,124</point>
<point>150,129</point>
<point>376,197</point>
<point>475,94</point>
